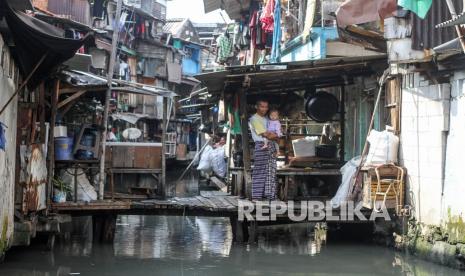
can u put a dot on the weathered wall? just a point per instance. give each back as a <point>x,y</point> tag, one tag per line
<point>432,147</point>
<point>425,117</point>
<point>432,150</point>
<point>453,203</point>
<point>7,157</point>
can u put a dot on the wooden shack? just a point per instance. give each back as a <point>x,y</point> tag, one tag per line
<point>287,86</point>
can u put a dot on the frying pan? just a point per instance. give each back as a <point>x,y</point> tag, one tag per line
<point>321,106</point>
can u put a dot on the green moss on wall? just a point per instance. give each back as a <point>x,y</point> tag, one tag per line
<point>455,228</point>
<point>3,237</point>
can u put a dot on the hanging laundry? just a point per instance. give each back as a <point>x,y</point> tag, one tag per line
<point>362,11</point>
<point>276,48</point>
<point>419,7</point>
<point>309,17</point>
<point>267,17</point>
<point>224,45</point>
<point>98,9</point>
<point>2,137</point>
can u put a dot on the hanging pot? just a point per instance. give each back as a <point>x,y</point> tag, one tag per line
<point>321,106</point>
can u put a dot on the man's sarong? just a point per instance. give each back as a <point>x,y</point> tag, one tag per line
<point>264,172</point>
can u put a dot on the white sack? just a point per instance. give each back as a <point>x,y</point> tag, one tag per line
<point>85,191</point>
<point>383,148</point>
<point>347,171</point>
<point>205,160</point>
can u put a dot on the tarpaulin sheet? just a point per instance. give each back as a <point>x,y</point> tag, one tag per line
<point>33,39</point>
<point>362,11</point>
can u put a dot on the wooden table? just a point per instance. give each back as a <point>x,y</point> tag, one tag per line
<point>286,172</point>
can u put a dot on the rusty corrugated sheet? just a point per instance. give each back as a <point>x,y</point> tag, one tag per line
<point>34,177</point>
<point>77,10</point>
<point>424,33</point>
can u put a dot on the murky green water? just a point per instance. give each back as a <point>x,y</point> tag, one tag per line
<point>147,245</point>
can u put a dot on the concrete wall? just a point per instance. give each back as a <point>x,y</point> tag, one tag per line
<point>453,203</point>
<point>432,148</point>
<point>7,157</point>
<point>424,122</point>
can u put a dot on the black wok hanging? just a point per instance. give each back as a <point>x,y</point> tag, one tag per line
<point>321,106</point>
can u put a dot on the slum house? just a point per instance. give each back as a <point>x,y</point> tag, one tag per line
<point>142,58</point>
<point>425,53</point>
<point>32,51</point>
<point>208,33</point>
<point>182,35</point>
<point>304,30</point>
<point>332,138</point>
<point>141,112</point>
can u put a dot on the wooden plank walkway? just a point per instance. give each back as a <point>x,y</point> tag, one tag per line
<point>208,202</point>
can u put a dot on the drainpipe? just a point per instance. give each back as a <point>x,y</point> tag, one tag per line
<point>453,13</point>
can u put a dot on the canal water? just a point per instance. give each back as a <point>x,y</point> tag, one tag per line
<point>159,245</point>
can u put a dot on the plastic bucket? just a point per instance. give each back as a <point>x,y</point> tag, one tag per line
<point>63,148</point>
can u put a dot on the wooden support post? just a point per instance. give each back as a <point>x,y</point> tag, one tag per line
<point>252,231</point>
<point>239,229</point>
<point>342,122</point>
<point>103,228</point>
<point>162,184</point>
<point>245,143</point>
<point>51,144</point>
<point>114,42</point>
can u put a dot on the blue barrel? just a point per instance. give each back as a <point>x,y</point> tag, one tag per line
<point>63,148</point>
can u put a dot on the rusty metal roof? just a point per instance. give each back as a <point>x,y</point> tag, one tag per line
<point>292,76</point>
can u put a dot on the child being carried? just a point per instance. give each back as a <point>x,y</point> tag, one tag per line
<point>274,126</point>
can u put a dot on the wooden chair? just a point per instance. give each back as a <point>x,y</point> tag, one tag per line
<point>389,184</point>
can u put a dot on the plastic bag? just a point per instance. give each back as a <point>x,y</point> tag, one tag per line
<point>85,191</point>
<point>347,171</point>
<point>2,137</point>
<point>217,161</point>
<point>383,147</point>
<point>205,161</point>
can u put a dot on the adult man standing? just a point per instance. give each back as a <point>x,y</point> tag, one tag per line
<point>264,170</point>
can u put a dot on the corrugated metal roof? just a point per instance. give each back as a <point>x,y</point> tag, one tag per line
<point>424,33</point>
<point>174,26</point>
<point>77,10</point>
<point>232,7</point>
<point>460,19</point>
<point>182,29</point>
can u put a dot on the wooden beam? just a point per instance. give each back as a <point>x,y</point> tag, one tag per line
<point>302,70</point>
<point>162,183</point>
<point>51,147</point>
<point>71,90</point>
<point>71,98</point>
<point>245,143</point>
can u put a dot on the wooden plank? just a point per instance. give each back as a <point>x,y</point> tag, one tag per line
<point>245,143</point>
<point>219,183</point>
<point>232,200</point>
<point>206,204</point>
<point>71,98</point>
<point>226,203</point>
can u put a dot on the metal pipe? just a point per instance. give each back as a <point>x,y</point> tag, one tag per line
<point>111,67</point>
<point>24,83</point>
<point>453,14</point>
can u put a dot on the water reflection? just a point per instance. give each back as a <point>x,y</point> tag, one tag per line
<point>148,245</point>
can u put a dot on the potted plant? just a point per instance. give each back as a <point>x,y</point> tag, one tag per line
<point>60,191</point>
